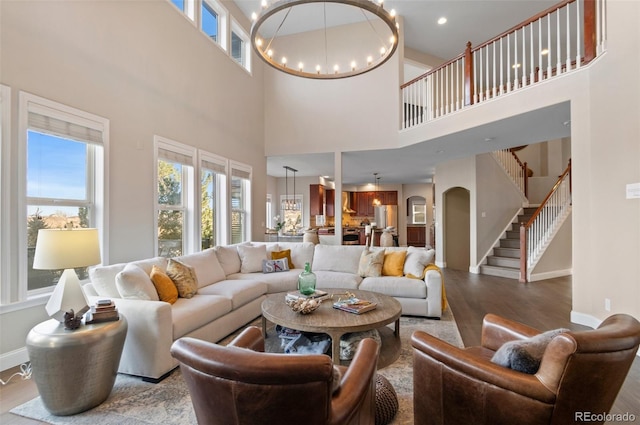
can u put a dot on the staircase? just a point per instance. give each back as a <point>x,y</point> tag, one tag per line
<point>505,261</point>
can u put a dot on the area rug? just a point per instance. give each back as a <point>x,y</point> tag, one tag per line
<point>134,402</point>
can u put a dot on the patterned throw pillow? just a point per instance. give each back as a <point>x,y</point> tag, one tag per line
<point>371,263</point>
<point>273,266</point>
<point>393,264</point>
<point>276,255</point>
<point>167,290</point>
<point>183,277</point>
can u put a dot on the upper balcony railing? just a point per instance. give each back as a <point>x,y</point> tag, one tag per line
<point>556,41</point>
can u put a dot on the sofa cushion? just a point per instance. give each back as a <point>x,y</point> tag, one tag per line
<point>240,292</point>
<point>165,287</point>
<point>393,264</point>
<point>229,258</point>
<point>104,279</point>
<point>301,253</point>
<point>276,282</point>
<point>401,287</point>
<point>206,266</point>
<point>148,263</point>
<point>286,254</point>
<point>340,280</point>
<point>133,283</point>
<point>524,355</point>
<point>184,278</point>
<point>337,258</point>
<point>251,257</point>
<point>417,260</point>
<point>371,263</point>
<point>190,314</point>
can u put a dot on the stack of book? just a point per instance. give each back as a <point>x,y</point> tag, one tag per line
<point>317,295</point>
<point>355,305</point>
<point>103,311</point>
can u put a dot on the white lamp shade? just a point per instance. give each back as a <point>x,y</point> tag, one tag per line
<point>66,249</point>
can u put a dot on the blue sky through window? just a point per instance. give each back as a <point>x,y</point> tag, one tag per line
<point>56,167</point>
<point>209,21</point>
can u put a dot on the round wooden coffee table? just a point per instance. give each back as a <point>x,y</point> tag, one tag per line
<point>336,323</point>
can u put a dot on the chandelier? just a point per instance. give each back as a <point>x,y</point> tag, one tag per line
<point>307,38</point>
<point>290,202</point>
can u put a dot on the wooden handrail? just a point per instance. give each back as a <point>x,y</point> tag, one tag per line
<point>551,192</point>
<point>523,167</point>
<point>524,227</point>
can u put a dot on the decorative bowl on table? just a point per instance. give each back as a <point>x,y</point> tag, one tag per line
<point>303,306</point>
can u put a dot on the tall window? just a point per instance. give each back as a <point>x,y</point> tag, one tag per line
<point>213,21</point>
<point>419,214</point>
<point>239,46</point>
<point>64,179</point>
<point>240,202</point>
<point>213,178</point>
<point>175,194</point>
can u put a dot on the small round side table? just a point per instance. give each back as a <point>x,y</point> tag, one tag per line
<point>75,370</point>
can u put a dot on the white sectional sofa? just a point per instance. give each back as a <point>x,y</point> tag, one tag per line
<point>231,288</point>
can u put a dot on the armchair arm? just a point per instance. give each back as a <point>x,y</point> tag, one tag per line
<point>464,363</point>
<point>250,338</point>
<point>497,330</point>
<point>356,383</point>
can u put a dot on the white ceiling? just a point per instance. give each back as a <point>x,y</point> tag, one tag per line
<point>467,20</point>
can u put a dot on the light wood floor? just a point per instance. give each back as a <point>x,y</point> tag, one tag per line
<point>544,305</point>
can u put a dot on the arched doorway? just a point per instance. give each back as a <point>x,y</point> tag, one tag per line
<point>456,235</point>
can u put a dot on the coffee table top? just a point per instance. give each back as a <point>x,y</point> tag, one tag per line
<point>327,319</point>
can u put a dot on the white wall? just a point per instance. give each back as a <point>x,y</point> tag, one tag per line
<point>144,66</point>
<point>497,201</point>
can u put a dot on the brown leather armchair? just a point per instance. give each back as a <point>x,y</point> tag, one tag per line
<point>579,372</point>
<point>240,384</point>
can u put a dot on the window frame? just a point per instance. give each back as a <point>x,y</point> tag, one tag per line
<point>97,183</point>
<point>237,169</point>
<point>220,204</point>
<point>223,18</point>
<point>188,192</point>
<point>5,225</point>
<point>418,209</point>
<point>246,51</point>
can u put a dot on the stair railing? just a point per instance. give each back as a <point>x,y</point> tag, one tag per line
<point>536,233</point>
<point>556,41</point>
<point>515,168</point>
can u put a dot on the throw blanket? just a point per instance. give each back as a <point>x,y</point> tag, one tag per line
<point>444,295</point>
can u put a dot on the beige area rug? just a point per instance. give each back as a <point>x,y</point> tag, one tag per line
<point>135,402</point>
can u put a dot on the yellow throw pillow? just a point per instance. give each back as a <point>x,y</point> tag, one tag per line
<point>276,255</point>
<point>184,277</point>
<point>167,290</point>
<point>393,264</point>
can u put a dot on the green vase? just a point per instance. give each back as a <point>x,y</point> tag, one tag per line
<point>307,281</point>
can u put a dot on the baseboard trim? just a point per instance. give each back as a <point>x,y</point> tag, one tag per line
<point>13,358</point>
<point>550,275</point>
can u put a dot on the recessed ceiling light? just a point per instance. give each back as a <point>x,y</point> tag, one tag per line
<point>439,151</point>
<point>544,51</point>
<point>515,66</point>
<point>488,139</point>
<point>442,21</point>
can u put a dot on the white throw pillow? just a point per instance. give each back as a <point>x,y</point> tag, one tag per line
<point>416,261</point>
<point>104,279</point>
<point>228,258</point>
<point>134,283</point>
<point>206,266</point>
<point>251,258</point>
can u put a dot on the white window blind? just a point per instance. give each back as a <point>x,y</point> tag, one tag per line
<point>214,166</point>
<point>241,174</point>
<point>174,156</point>
<point>64,128</point>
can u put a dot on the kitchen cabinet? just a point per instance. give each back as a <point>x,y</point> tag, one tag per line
<point>416,236</point>
<point>316,199</point>
<point>364,204</point>
<point>330,202</point>
<point>390,197</point>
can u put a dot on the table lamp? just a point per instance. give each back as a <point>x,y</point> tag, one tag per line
<point>67,249</point>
